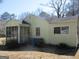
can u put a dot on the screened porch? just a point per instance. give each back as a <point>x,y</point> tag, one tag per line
<point>18,33</point>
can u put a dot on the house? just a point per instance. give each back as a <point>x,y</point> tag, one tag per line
<point>56,31</point>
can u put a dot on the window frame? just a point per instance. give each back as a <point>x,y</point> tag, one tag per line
<point>37,31</point>
<point>62,30</point>
<point>65,30</point>
<point>57,30</point>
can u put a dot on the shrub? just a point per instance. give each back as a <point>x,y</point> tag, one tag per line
<point>63,46</point>
<point>12,44</point>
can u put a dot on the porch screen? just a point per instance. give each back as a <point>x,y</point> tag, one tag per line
<point>12,32</point>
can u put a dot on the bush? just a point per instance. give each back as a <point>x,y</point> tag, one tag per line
<point>12,44</point>
<point>2,35</point>
<point>63,46</point>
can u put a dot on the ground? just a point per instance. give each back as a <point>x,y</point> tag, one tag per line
<point>33,52</point>
<point>33,55</point>
<point>45,48</point>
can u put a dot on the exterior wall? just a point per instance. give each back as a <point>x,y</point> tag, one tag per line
<point>44,28</point>
<point>69,39</point>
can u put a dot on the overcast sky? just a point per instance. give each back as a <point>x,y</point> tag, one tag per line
<point>19,6</point>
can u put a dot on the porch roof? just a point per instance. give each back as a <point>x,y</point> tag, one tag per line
<point>16,23</point>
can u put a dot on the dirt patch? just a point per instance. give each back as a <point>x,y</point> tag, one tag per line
<point>33,55</point>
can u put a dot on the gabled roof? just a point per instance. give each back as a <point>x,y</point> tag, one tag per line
<point>15,23</point>
<point>25,22</point>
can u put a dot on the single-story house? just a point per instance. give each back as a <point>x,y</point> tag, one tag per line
<point>59,30</point>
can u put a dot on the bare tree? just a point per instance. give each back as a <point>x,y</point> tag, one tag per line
<point>59,6</point>
<point>12,16</point>
<point>73,8</point>
<point>25,15</point>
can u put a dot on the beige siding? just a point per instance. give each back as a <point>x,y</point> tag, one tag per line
<point>70,39</point>
<point>47,30</point>
<point>44,28</point>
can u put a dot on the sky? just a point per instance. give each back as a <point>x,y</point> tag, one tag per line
<point>20,6</point>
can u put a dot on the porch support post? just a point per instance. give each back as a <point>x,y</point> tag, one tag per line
<point>19,34</point>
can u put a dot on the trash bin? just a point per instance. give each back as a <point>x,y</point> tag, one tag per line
<point>37,42</point>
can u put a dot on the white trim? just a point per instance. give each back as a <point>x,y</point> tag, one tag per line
<point>18,34</point>
<point>24,25</point>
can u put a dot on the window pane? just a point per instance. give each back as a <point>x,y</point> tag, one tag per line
<point>65,30</point>
<point>37,31</point>
<point>12,32</point>
<point>57,30</point>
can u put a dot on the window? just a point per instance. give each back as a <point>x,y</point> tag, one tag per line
<point>65,30</point>
<point>61,30</point>
<point>37,31</point>
<point>57,30</point>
